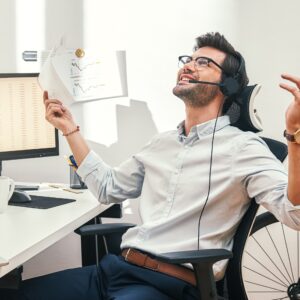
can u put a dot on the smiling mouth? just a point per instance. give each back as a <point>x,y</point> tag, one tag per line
<point>184,79</point>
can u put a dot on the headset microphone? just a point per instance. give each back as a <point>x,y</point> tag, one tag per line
<point>230,84</point>
<point>206,82</point>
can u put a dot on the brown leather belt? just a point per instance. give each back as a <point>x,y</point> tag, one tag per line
<point>140,259</point>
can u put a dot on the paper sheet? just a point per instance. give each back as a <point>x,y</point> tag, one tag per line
<point>72,78</point>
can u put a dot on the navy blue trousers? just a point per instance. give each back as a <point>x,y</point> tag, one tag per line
<point>114,279</point>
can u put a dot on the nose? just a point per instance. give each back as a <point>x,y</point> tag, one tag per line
<point>189,67</point>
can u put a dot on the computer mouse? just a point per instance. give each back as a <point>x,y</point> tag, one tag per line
<point>19,197</point>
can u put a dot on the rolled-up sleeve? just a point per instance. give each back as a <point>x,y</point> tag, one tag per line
<point>112,185</point>
<point>265,179</point>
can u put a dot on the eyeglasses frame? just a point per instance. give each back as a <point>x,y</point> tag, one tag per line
<point>208,59</point>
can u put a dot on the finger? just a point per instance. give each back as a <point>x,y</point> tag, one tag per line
<point>45,95</point>
<point>50,101</point>
<point>54,112</point>
<point>52,106</point>
<point>292,89</point>
<point>292,78</point>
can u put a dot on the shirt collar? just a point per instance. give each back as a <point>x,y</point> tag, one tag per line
<point>205,128</point>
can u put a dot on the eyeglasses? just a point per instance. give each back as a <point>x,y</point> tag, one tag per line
<point>199,62</point>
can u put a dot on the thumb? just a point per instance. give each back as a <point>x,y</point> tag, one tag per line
<point>45,95</point>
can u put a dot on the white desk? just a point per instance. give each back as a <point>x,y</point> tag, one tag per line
<point>25,232</point>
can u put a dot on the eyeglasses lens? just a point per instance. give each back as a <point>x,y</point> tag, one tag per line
<point>200,62</point>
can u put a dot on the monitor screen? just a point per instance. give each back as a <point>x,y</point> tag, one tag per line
<point>24,132</point>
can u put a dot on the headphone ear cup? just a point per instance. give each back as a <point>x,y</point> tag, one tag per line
<point>230,86</point>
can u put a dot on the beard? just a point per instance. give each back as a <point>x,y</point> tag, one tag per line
<point>196,95</point>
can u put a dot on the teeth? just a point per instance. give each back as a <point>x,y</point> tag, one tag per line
<point>185,79</point>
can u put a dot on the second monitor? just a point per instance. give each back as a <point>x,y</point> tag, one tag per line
<point>24,132</point>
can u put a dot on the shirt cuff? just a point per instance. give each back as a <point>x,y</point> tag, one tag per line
<point>90,162</point>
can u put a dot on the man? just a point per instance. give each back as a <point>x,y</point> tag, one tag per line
<point>194,183</point>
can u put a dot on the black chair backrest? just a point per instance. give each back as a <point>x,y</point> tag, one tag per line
<point>279,149</point>
<point>234,279</point>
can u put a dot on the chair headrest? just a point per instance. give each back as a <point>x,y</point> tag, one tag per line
<point>242,112</point>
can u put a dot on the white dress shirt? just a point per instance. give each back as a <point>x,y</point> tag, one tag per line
<point>171,175</point>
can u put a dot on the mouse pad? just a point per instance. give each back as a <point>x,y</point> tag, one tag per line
<point>43,202</point>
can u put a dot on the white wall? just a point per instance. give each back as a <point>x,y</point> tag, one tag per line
<point>269,42</point>
<point>153,33</point>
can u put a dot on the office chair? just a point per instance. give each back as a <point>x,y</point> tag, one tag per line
<point>232,287</point>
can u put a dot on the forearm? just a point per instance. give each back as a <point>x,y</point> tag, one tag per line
<point>293,172</point>
<point>292,117</point>
<point>78,146</point>
<point>61,118</point>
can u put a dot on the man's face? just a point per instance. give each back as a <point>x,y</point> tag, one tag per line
<point>198,94</point>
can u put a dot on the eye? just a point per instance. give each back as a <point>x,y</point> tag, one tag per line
<point>202,62</point>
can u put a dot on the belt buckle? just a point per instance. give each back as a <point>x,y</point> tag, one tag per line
<point>127,253</point>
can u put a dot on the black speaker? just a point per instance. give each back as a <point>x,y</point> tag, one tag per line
<point>230,85</point>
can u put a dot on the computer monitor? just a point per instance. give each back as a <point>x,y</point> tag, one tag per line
<point>24,132</point>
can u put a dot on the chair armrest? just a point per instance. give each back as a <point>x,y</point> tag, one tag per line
<point>195,256</point>
<point>202,261</point>
<point>104,229</point>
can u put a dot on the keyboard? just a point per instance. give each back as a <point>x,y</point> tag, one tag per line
<point>22,187</point>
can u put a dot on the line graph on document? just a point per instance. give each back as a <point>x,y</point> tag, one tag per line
<point>78,67</point>
<point>87,77</point>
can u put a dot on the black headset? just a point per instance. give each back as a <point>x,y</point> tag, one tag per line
<point>230,85</point>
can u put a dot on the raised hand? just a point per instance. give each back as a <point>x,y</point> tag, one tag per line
<point>58,115</point>
<point>292,114</point>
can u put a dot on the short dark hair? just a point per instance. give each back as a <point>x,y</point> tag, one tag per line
<point>231,62</point>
